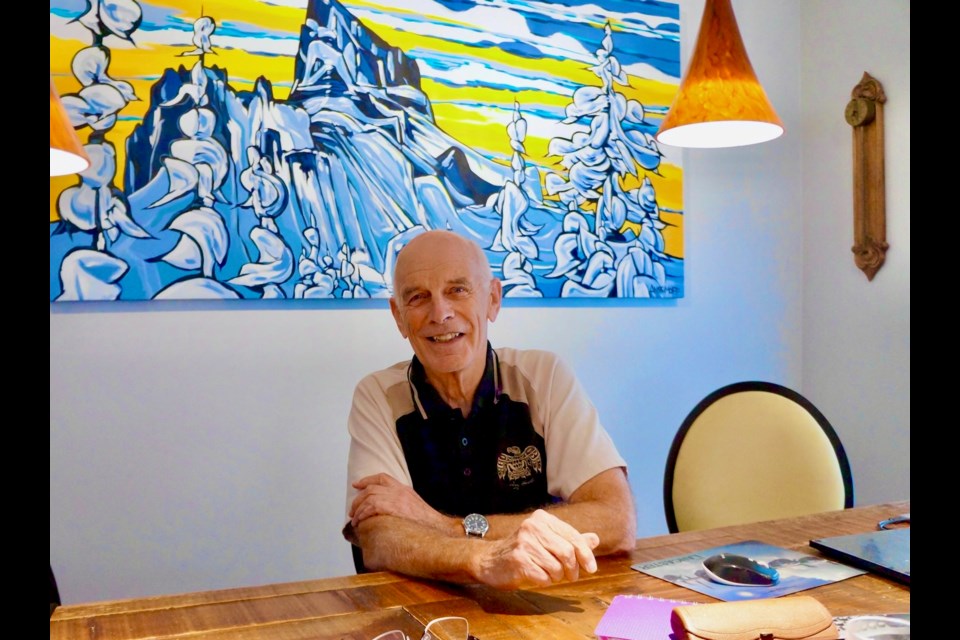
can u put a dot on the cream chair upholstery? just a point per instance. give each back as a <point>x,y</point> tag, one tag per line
<point>753,451</point>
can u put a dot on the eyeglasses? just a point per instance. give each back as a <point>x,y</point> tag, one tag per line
<point>447,628</point>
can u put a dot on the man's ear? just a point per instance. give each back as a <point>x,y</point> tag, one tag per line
<point>496,297</point>
<point>395,310</point>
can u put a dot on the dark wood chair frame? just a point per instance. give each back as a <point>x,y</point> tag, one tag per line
<point>739,387</point>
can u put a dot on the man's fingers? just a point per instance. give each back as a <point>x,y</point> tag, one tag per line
<point>356,503</point>
<point>548,560</point>
<point>358,510</point>
<point>365,502</point>
<point>537,555</point>
<point>576,555</point>
<point>583,546</point>
<point>572,548</point>
<point>368,486</point>
<point>365,494</point>
<point>558,555</point>
<point>585,558</point>
<point>384,479</point>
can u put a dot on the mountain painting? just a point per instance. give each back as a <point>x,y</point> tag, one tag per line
<point>288,149</point>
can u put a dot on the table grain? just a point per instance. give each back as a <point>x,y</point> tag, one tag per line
<point>359,607</point>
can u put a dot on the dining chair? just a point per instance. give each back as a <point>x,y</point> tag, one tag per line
<point>54,592</point>
<point>753,451</point>
<point>358,559</point>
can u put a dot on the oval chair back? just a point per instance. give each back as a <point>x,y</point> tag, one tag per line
<point>753,451</point>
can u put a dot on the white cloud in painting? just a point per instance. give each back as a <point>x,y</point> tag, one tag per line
<point>475,25</point>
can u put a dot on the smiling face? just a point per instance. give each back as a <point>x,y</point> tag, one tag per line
<point>444,295</point>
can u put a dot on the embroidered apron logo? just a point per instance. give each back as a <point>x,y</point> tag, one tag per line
<point>516,465</point>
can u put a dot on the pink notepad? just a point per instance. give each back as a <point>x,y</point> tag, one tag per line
<point>637,617</point>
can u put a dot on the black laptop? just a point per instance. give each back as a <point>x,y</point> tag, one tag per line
<point>883,552</point>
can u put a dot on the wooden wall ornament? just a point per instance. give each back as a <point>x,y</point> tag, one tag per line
<point>864,113</point>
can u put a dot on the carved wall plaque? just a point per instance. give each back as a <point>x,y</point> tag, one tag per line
<point>864,113</point>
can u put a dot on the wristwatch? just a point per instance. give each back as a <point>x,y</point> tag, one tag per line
<point>475,525</point>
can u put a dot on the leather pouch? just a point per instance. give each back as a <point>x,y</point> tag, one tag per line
<point>788,618</point>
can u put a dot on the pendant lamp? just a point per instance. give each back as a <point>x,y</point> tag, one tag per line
<point>66,152</point>
<point>720,102</point>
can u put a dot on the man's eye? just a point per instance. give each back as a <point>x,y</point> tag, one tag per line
<point>416,298</point>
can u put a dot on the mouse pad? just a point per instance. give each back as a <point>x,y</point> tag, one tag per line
<point>884,552</point>
<point>798,571</point>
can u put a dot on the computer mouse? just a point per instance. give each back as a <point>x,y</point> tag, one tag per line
<point>741,571</point>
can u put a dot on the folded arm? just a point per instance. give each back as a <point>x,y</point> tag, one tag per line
<point>603,504</point>
<point>542,551</point>
<point>400,532</point>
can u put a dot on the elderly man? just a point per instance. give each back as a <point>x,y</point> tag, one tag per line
<point>471,464</point>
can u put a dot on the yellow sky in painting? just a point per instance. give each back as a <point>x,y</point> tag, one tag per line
<point>477,116</point>
<point>483,132</point>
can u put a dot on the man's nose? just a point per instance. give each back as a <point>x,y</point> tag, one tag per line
<point>441,310</point>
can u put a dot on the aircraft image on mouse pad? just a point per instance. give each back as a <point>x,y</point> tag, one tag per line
<point>776,571</point>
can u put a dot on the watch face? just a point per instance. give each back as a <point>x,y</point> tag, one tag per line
<point>475,525</point>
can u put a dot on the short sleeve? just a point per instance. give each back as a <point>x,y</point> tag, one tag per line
<point>578,446</point>
<point>374,444</point>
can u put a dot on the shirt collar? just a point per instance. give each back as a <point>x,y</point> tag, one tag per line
<point>428,400</point>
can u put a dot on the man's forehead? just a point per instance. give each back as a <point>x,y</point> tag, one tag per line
<point>437,275</point>
<point>445,261</point>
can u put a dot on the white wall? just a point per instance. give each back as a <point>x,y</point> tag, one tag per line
<point>856,333</point>
<point>203,446</point>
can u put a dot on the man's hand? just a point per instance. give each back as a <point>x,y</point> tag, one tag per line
<point>382,495</point>
<point>542,551</point>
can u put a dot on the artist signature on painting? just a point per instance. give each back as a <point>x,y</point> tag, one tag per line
<point>658,290</point>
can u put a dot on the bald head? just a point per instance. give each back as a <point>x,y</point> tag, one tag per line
<point>436,247</point>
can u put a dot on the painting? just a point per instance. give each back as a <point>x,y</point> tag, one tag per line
<point>288,149</point>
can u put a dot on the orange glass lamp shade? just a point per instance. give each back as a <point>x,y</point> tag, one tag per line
<point>66,152</point>
<point>720,102</point>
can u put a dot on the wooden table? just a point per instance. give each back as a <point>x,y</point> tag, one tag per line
<point>360,607</point>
